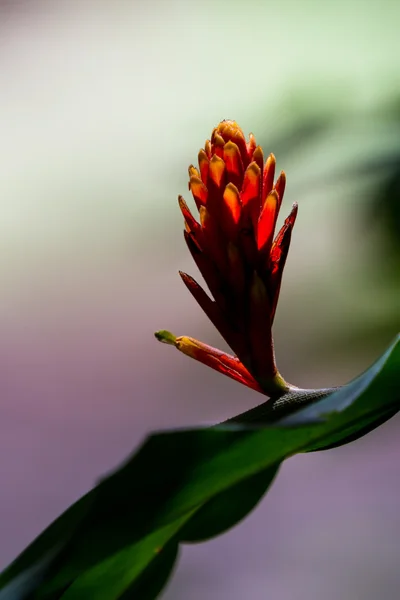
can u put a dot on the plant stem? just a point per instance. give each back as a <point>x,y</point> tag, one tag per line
<point>276,408</point>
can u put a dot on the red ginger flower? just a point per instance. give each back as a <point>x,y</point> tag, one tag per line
<point>234,249</point>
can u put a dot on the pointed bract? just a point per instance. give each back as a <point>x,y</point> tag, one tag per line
<point>217,360</point>
<point>266,222</point>
<point>269,174</point>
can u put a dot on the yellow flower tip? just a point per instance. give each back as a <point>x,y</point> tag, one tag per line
<point>187,345</point>
<point>273,195</point>
<point>217,139</point>
<point>231,149</point>
<point>197,350</point>
<point>193,172</point>
<point>258,156</point>
<point>216,169</point>
<point>253,171</point>
<point>204,216</point>
<point>202,156</point>
<point>166,337</point>
<point>229,130</point>
<point>251,145</point>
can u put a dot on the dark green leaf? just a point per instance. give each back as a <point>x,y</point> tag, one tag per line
<point>179,476</point>
<point>227,508</point>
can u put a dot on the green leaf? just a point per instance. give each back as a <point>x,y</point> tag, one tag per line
<point>181,483</point>
<point>39,555</point>
<point>227,508</point>
<point>154,578</point>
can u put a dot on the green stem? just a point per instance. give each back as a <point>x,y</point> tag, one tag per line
<point>276,408</point>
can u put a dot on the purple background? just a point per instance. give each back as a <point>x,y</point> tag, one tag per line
<point>102,108</point>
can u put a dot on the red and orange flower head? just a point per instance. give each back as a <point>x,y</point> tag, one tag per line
<point>234,249</point>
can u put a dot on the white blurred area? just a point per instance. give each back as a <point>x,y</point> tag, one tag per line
<point>103,105</point>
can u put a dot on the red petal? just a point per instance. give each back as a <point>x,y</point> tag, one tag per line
<point>250,194</point>
<point>217,170</point>
<point>251,183</point>
<point>216,184</point>
<point>258,157</point>
<point>231,209</point>
<point>208,270</point>
<point>280,187</point>
<point>209,307</point>
<point>269,174</point>
<point>279,252</point>
<point>217,143</point>
<point>213,240</point>
<point>220,361</point>
<point>199,191</point>
<point>279,242</point>
<point>251,146</point>
<point>193,172</point>
<point>204,164</point>
<point>234,164</point>
<point>266,222</point>
<point>231,132</point>
<point>192,224</point>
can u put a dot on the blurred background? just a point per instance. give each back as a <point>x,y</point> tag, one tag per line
<point>103,105</point>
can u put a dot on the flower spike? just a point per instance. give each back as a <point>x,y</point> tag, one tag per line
<point>233,245</point>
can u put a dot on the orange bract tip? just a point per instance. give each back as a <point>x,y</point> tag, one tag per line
<point>193,172</point>
<point>230,131</point>
<point>280,186</point>
<point>269,174</point>
<point>231,199</point>
<point>231,209</point>
<point>217,139</point>
<point>251,146</point>
<point>199,191</point>
<point>207,148</point>
<point>204,164</point>
<point>217,143</point>
<point>251,183</point>
<point>266,222</point>
<point>190,221</point>
<point>258,157</point>
<point>204,216</point>
<point>217,170</point>
<point>233,161</point>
